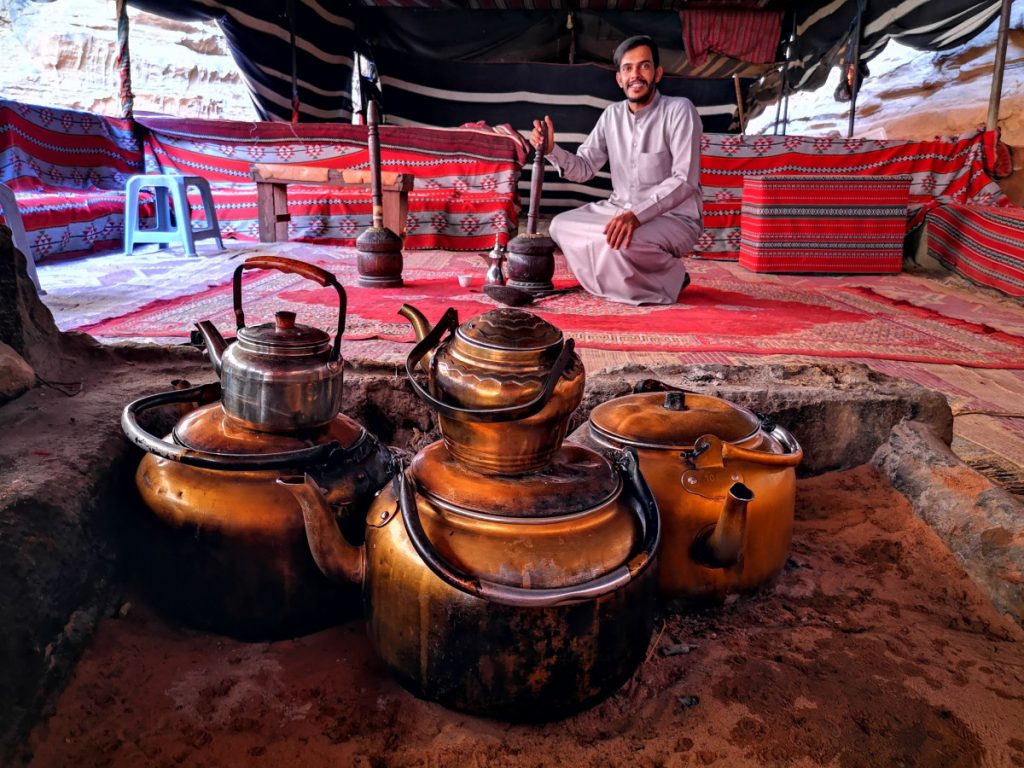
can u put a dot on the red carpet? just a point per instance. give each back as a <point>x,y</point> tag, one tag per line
<point>718,312</point>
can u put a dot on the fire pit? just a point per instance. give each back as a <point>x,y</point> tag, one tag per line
<point>871,647</point>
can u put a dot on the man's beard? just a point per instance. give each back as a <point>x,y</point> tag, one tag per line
<point>644,97</point>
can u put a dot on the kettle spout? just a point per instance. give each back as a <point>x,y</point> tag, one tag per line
<point>722,546</point>
<point>420,326</point>
<point>339,560</point>
<point>215,343</point>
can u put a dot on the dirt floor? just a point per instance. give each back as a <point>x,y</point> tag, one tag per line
<point>872,649</point>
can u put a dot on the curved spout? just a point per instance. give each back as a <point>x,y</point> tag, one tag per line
<point>338,559</point>
<point>722,545</point>
<point>420,326</point>
<point>215,343</point>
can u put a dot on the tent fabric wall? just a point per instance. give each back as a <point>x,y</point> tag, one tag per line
<point>450,94</point>
<point>539,31</point>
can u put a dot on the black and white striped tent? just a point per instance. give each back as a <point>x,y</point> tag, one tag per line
<point>450,62</point>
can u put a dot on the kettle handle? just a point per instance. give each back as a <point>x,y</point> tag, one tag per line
<point>792,457</point>
<point>292,267</point>
<point>642,500</point>
<point>449,322</point>
<point>204,394</point>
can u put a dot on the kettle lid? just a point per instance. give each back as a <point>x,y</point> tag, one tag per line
<point>283,335</point>
<point>673,419</point>
<point>576,480</point>
<point>510,329</point>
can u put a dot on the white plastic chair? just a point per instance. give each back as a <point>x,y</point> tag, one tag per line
<point>9,204</point>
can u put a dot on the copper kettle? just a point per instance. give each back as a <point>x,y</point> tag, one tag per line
<point>222,546</point>
<point>521,597</point>
<point>280,376</point>
<point>503,385</point>
<point>725,482</point>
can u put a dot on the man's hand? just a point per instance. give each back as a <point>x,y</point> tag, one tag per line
<point>535,139</point>
<point>619,230</point>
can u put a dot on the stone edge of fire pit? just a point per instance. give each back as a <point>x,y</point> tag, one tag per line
<point>981,523</point>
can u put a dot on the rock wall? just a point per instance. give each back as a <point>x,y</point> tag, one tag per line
<point>64,53</point>
<point>919,94</point>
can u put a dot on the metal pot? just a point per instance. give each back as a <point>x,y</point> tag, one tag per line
<point>503,385</point>
<point>225,548</point>
<point>525,598</point>
<point>280,376</point>
<point>725,482</point>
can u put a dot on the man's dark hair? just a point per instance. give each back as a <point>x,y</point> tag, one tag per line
<point>636,41</point>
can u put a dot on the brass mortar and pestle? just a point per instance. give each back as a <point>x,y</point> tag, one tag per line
<point>529,258</point>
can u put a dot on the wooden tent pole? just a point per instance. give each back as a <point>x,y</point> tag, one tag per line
<point>739,105</point>
<point>997,74</point>
<point>790,45</point>
<point>124,62</point>
<point>295,66</point>
<point>854,73</point>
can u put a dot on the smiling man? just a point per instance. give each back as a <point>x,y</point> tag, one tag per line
<point>629,248</point>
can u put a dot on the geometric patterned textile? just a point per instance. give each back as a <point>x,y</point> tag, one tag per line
<point>466,180</point>
<point>839,224</point>
<point>68,170</point>
<point>717,313</point>
<point>941,171</point>
<point>985,245</point>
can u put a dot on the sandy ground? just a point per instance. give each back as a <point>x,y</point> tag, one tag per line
<point>872,649</point>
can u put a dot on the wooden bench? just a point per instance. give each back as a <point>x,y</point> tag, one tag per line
<point>272,180</point>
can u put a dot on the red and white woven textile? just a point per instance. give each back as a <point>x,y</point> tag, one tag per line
<point>985,245</point>
<point>747,35</point>
<point>466,179</point>
<point>942,171</point>
<point>838,224</point>
<point>68,170</point>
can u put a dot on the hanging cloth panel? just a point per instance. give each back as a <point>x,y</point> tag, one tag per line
<point>751,36</point>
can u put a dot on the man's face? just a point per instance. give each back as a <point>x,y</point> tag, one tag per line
<point>637,75</point>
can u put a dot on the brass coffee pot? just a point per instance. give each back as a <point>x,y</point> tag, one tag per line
<point>525,597</point>
<point>725,482</point>
<point>519,581</point>
<point>503,385</point>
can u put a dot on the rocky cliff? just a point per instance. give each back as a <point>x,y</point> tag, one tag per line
<point>65,52</point>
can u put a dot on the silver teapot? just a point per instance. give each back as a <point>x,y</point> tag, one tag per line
<point>280,376</point>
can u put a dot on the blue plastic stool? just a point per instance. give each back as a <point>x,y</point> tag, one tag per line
<point>9,206</point>
<point>169,188</point>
